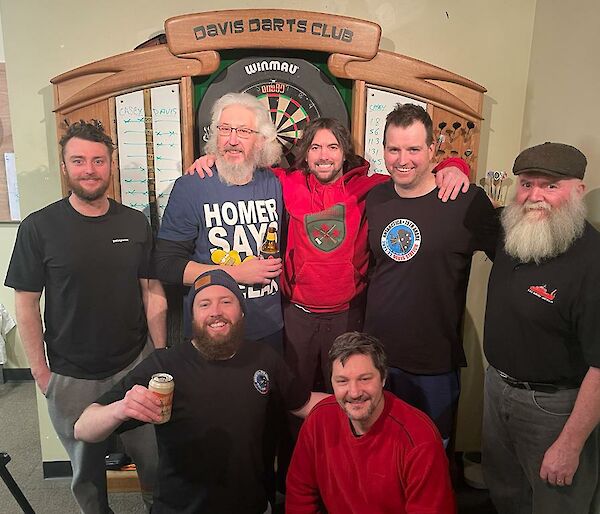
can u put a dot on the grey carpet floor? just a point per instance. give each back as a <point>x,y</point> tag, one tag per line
<point>20,438</point>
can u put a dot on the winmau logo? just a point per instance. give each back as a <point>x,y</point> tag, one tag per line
<point>255,67</point>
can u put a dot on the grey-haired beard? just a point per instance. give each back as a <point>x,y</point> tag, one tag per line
<point>237,174</point>
<point>262,155</point>
<point>530,239</point>
<point>218,348</point>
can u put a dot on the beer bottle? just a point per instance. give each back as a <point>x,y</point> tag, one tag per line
<point>270,248</point>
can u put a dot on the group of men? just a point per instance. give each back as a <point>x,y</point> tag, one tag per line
<point>363,450</point>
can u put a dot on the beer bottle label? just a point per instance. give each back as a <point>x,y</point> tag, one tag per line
<point>265,255</point>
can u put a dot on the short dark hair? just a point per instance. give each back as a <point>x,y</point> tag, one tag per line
<point>407,114</point>
<point>339,131</point>
<point>90,131</point>
<point>358,343</point>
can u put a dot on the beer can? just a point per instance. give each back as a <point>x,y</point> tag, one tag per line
<point>162,386</point>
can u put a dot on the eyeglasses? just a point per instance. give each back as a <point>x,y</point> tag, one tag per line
<point>242,132</point>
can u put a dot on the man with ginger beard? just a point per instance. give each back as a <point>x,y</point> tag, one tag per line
<point>210,452</point>
<point>541,443</point>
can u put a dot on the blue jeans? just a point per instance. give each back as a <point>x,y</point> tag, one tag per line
<point>435,395</point>
<point>518,427</point>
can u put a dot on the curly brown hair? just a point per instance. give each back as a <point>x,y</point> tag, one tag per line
<point>88,130</point>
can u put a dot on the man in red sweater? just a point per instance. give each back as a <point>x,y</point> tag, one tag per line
<point>365,451</point>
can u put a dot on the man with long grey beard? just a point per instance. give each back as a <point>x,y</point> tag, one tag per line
<point>541,444</point>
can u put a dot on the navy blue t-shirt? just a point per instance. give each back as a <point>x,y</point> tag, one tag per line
<point>217,216</point>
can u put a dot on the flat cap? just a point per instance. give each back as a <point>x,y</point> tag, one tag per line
<point>556,159</point>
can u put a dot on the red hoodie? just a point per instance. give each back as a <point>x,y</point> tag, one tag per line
<point>327,253</point>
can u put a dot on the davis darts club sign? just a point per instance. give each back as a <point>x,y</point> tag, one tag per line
<point>276,28</point>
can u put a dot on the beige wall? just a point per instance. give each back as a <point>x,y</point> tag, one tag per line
<point>487,42</point>
<point>562,92</point>
<point>8,231</point>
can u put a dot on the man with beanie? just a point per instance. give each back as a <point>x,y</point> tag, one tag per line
<point>541,450</point>
<point>210,452</point>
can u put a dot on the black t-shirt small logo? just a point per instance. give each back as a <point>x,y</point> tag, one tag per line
<point>261,381</point>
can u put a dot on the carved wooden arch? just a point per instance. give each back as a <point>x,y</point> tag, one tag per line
<point>192,49</point>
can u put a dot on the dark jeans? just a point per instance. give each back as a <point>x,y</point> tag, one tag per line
<point>519,425</point>
<point>435,395</point>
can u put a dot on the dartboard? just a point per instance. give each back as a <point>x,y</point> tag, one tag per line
<point>294,90</point>
<point>290,110</point>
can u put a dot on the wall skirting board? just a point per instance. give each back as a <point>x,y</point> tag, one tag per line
<point>14,374</point>
<point>57,469</point>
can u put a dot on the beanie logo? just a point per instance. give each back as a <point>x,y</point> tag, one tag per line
<point>203,280</point>
<point>261,381</point>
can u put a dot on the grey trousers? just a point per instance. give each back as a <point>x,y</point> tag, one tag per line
<point>518,427</point>
<point>67,398</point>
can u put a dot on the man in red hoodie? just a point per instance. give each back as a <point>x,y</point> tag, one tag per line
<point>326,252</point>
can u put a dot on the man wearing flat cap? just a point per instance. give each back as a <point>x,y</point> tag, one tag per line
<point>210,452</point>
<point>541,449</point>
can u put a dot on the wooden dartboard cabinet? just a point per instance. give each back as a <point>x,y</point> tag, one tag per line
<point>301,64</point>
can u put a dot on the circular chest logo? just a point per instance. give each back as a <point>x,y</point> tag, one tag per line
<point>261,381</point>
<point>401,240</point>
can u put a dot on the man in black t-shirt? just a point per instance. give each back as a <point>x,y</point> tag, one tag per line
<point>422,249</point>
<point>210,452</point>
<point>541,441</point>
<point>90,255</point>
